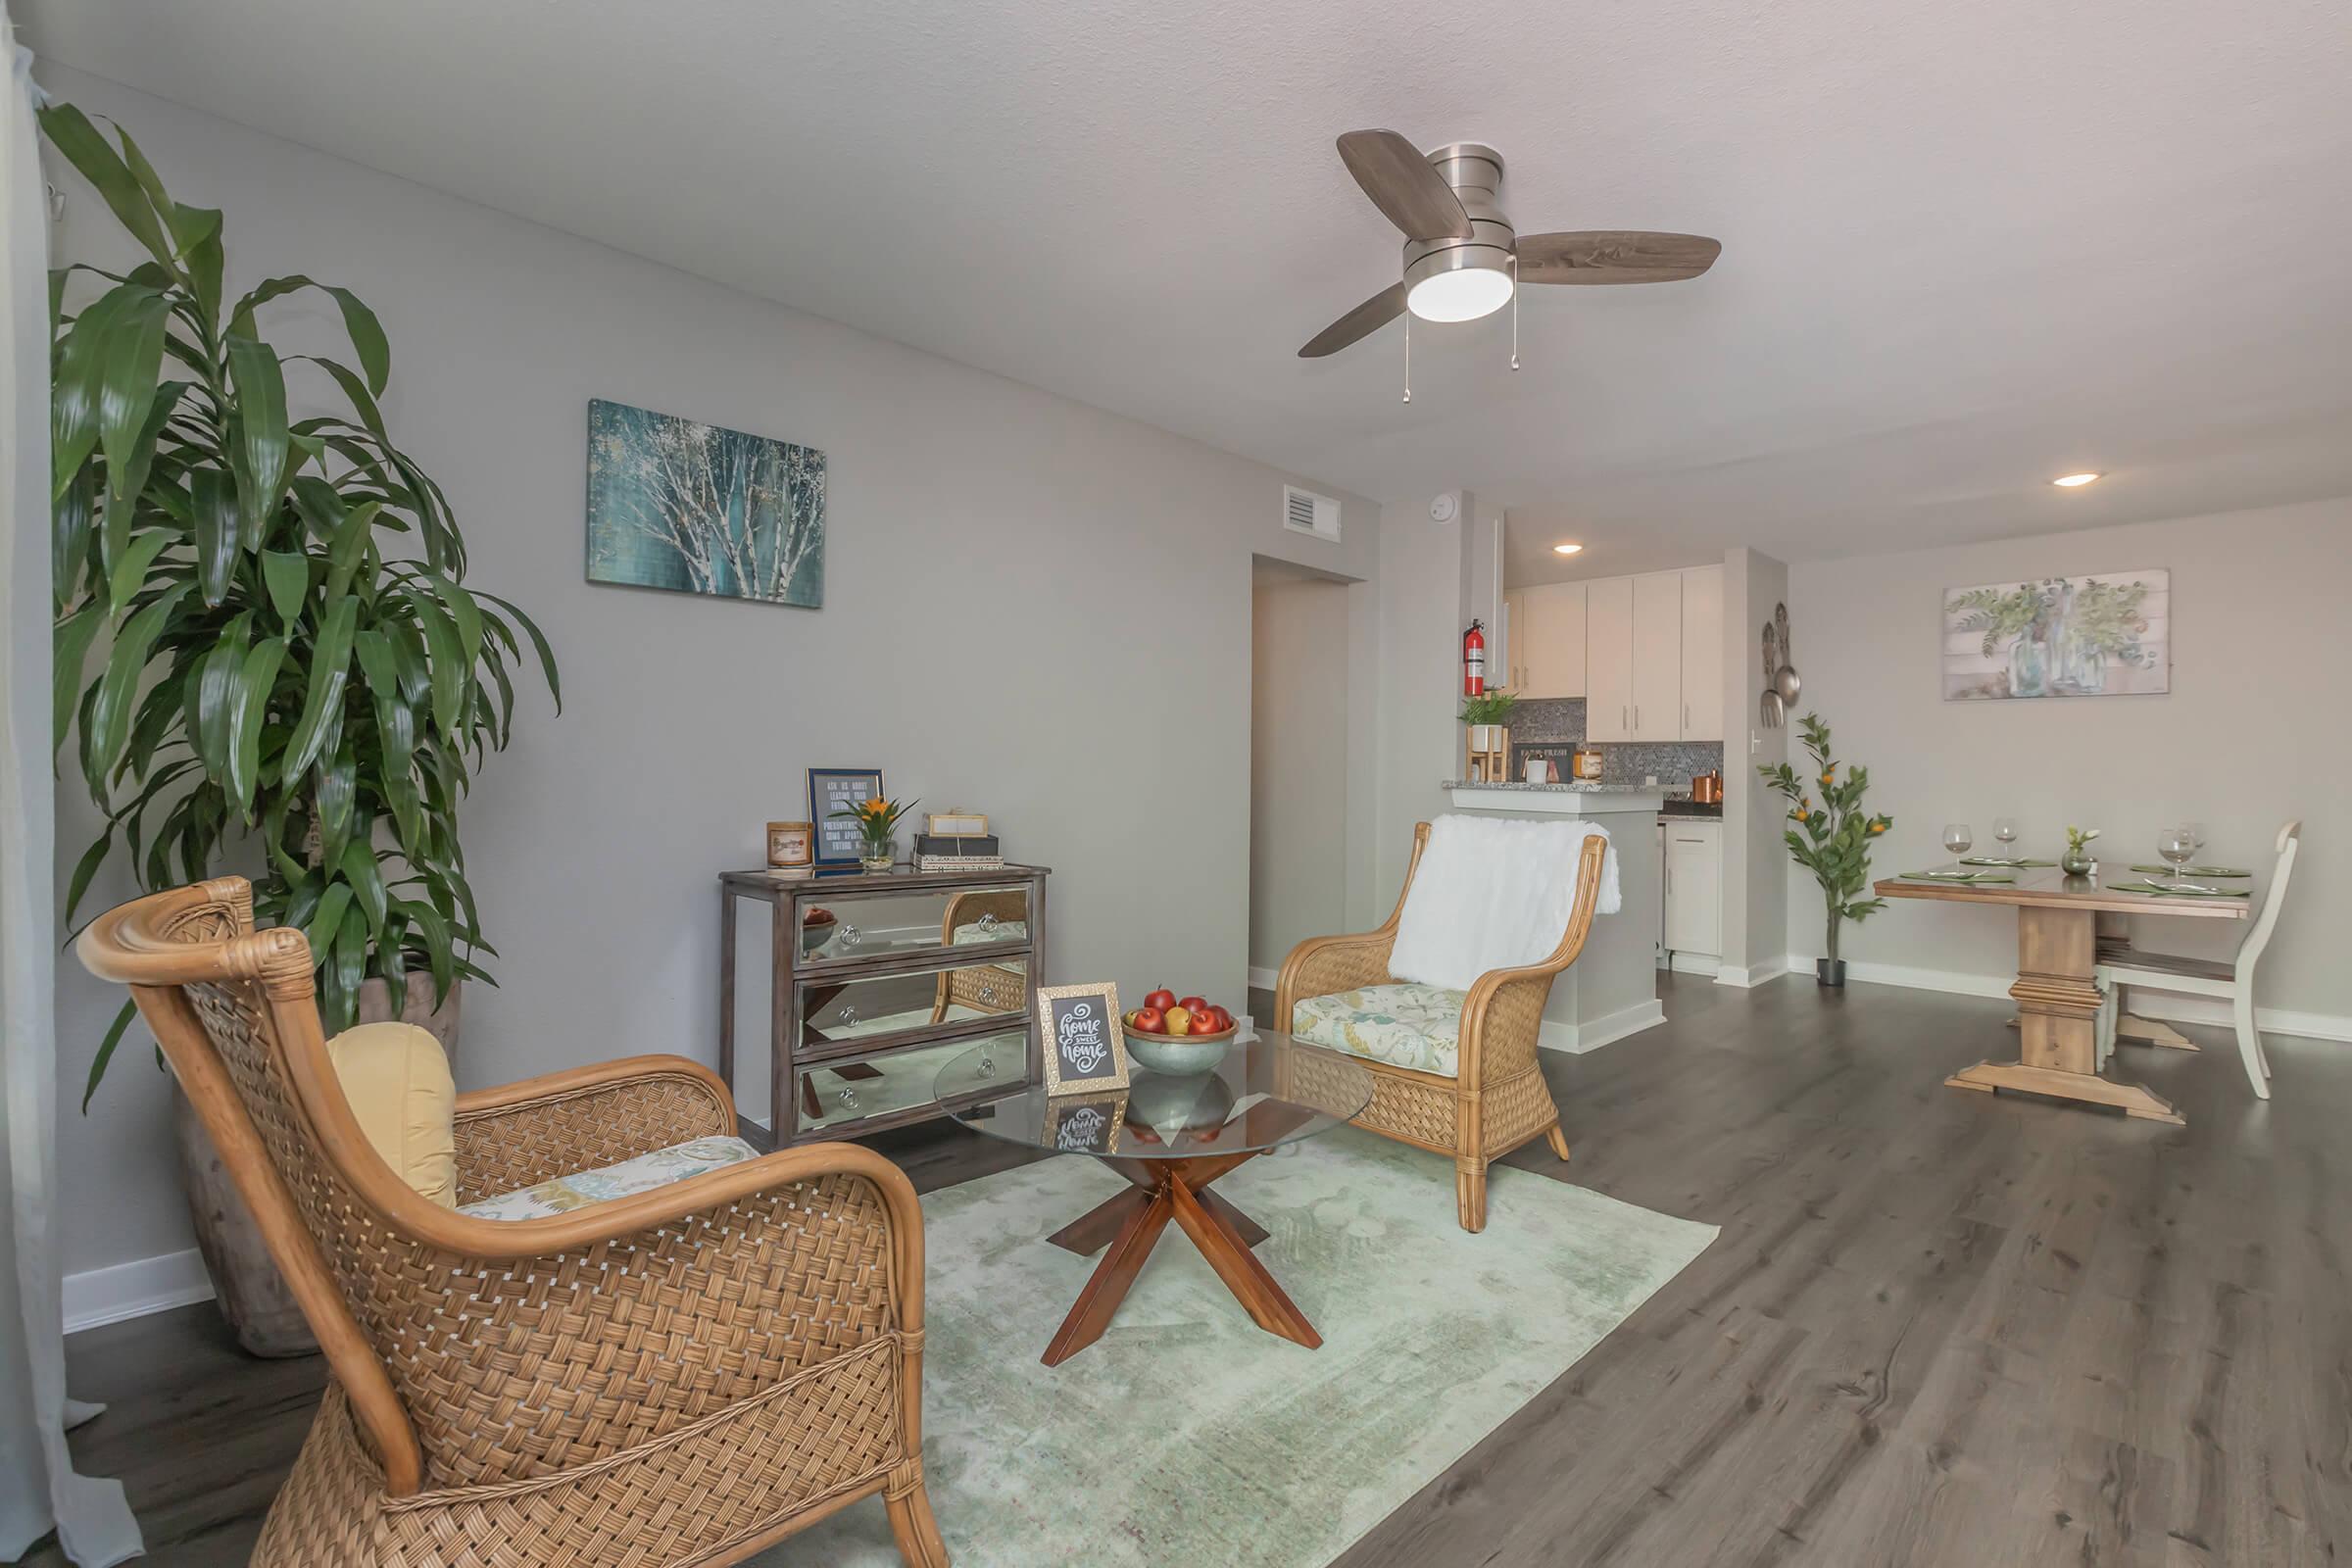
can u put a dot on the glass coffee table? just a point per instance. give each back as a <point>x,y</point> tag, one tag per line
<point>1171,1136</point>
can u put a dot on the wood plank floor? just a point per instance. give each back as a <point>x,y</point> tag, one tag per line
<point>1938,1327</point>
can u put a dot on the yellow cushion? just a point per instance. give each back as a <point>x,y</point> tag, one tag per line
<point>395,1077</point>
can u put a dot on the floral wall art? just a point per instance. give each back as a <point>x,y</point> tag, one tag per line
<point>701,509</point>
<point>2108,635</point>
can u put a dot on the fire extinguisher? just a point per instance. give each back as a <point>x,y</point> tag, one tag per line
<point>1474,660</point>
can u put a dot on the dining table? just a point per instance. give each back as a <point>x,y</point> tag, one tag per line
<point>2066,927</point>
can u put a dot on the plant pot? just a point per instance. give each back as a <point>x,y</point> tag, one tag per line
<point>1488,737</point>
<point>1830,972</point>
<point>2077,863</point>
<point>252,1294</point>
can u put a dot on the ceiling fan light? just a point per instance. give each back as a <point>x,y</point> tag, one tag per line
<point>1463,295</point>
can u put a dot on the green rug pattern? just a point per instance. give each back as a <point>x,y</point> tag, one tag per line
<point>1186,1434</point>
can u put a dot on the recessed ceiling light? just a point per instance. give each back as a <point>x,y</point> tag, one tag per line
<point>1566,550</point>
<point>2073,480</point>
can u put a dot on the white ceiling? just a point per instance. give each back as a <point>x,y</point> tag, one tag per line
<point>1966,247</point>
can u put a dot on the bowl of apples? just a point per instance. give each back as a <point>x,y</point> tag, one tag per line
<point>1180,1035</point>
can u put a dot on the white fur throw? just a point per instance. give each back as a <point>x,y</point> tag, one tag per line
<point>1492,893</point>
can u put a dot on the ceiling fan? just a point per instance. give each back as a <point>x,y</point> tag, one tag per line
<point>1463,259</point>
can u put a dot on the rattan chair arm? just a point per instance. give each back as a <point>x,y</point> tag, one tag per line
<point>1321,966</point>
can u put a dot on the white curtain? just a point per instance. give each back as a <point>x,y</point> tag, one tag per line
<point>38,1489</point>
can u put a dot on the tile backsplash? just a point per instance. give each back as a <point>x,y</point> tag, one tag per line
<point>1552,727</point>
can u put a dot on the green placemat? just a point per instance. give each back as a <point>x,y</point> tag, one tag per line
<point>2179,892</point>
<point>1964,879</point>
<point>2197,870</point>
<point>1994,859</point>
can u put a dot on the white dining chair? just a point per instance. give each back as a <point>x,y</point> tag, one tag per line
<point>2233,980</point>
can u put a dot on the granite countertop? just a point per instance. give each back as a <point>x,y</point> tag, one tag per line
<point>1565,787</point>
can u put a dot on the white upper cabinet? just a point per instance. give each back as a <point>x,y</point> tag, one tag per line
<point>1547,634</point>
<point>1702,654</point>
<point>1610,660</point>
<point>1657,680</point>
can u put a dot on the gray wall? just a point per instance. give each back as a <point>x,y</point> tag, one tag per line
<point>1755,860</point>
<point>1298,778</point>
<point>2253,732</point>
<point>1019,590</point>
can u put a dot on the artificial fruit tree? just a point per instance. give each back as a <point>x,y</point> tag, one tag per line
<point>279,648</point>
<point>1831,840</point>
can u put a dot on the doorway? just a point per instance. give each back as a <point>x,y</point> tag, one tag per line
<point>1298,760</point>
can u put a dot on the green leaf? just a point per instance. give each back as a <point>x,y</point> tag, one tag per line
<point>110,718</point>
<point>126,383</point>
<point>338,792</point>
<point>71,651</point>
<point>287,575</point>
<point>198,232</point>
<point>327,920</point>
<point>348,547</point>
<point>346,971</point>
<point>69,130</point>
<point>130,569</point>
<point>215,692</point>
<point>76,382</point>
<point>106,1052</point>
<point>547,657</point>
<point>367,878</point>
<point>360,324</point>
<point>215,498</point>
<point>440,952</point>
<point>255,682</point>
<point>262,451</point>
<point>450,666</point>
<point>330,662</point>
<point>69,533</point>
<point>86,868</point>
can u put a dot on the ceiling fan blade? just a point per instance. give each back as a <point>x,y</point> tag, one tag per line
<point>1405,185</point>
<point>1614,256</point>
<point>1375,313</point>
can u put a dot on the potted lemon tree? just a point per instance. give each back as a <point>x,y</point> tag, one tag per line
<point>264,642</point>
<point>1831,840</point>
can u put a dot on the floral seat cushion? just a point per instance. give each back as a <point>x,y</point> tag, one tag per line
<point>600,1186</point>
<point>1414,1026</point>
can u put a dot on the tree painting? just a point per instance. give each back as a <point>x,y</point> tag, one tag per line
<point>700,509</point>
<point>2102,636</point>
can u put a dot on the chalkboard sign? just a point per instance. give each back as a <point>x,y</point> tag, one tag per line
<point>1086,1042</point>
<point>840,789</point>
<point>1086,1124</point>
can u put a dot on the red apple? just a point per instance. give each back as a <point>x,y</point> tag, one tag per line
<point>1222,1019</point>
<point>1151,1020</point>
<point>1193,1004</point>
<point>1164,999</point>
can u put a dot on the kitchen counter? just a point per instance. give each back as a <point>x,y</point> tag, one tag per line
<point>1611,991</point>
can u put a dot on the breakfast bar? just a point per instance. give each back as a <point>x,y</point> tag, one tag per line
<point>1611,991</point>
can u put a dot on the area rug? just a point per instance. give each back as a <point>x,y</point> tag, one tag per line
<point>1185,1433</point>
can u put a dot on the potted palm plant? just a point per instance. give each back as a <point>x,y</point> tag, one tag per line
<point>1831,840</point>
<point>264,644</point>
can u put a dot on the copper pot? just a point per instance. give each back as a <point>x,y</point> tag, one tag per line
<point>1706,789</point>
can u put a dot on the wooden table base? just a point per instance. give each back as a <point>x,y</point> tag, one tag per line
<point>1129,1226</point>
<point>2058,1008</point>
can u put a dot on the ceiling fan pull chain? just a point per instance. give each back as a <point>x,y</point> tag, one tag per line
<point>1409,356</point>
<point>1514,310</point>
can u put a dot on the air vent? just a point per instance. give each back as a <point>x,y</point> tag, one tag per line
<point>1304,511</point>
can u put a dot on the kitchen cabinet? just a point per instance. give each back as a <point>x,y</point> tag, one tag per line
<point>1702,654</point>
<point>1610,660</point>
<point>1694,922</point>
<point>1657,658</point>
<point>1548,640</point>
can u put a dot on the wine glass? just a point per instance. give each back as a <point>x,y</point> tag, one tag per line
<point>1957,838</point>
<point>2196,830</point>
<point>2004,828</point>
<point>2177,844</point>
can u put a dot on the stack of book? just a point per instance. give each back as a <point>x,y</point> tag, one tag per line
<point>967,852</point>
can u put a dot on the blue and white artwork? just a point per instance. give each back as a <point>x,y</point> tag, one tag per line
<point>700,509</point>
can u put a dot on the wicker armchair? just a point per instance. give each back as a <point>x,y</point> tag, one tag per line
<point>1498,1099</point>
<point>680,1376</point>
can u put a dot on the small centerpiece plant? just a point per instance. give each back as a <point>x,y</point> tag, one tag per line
<point>2078,860</point>
<point>1831,840</point>
<point>878,822</point>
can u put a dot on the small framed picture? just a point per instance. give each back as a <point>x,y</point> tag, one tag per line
<point>840,789</point>
<point>1086,1045</point>
<point>1086,1124</point>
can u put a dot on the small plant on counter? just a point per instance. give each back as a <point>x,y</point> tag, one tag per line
<point>1831,840</point>
<point>2078,859</point>
<point>1489,707</point>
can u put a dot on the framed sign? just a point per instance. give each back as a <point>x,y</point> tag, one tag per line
<point>1085,1048</point>
<point>1086,1124</point>
<point>840,789</point>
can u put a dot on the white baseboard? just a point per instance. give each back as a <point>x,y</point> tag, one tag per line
<point>1751,975</point>
<point>1577,1039</point>
<point>2146,1002</point>
<point>1690,963</point>
<point>1263,979</point>
<point>135,1288</point>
